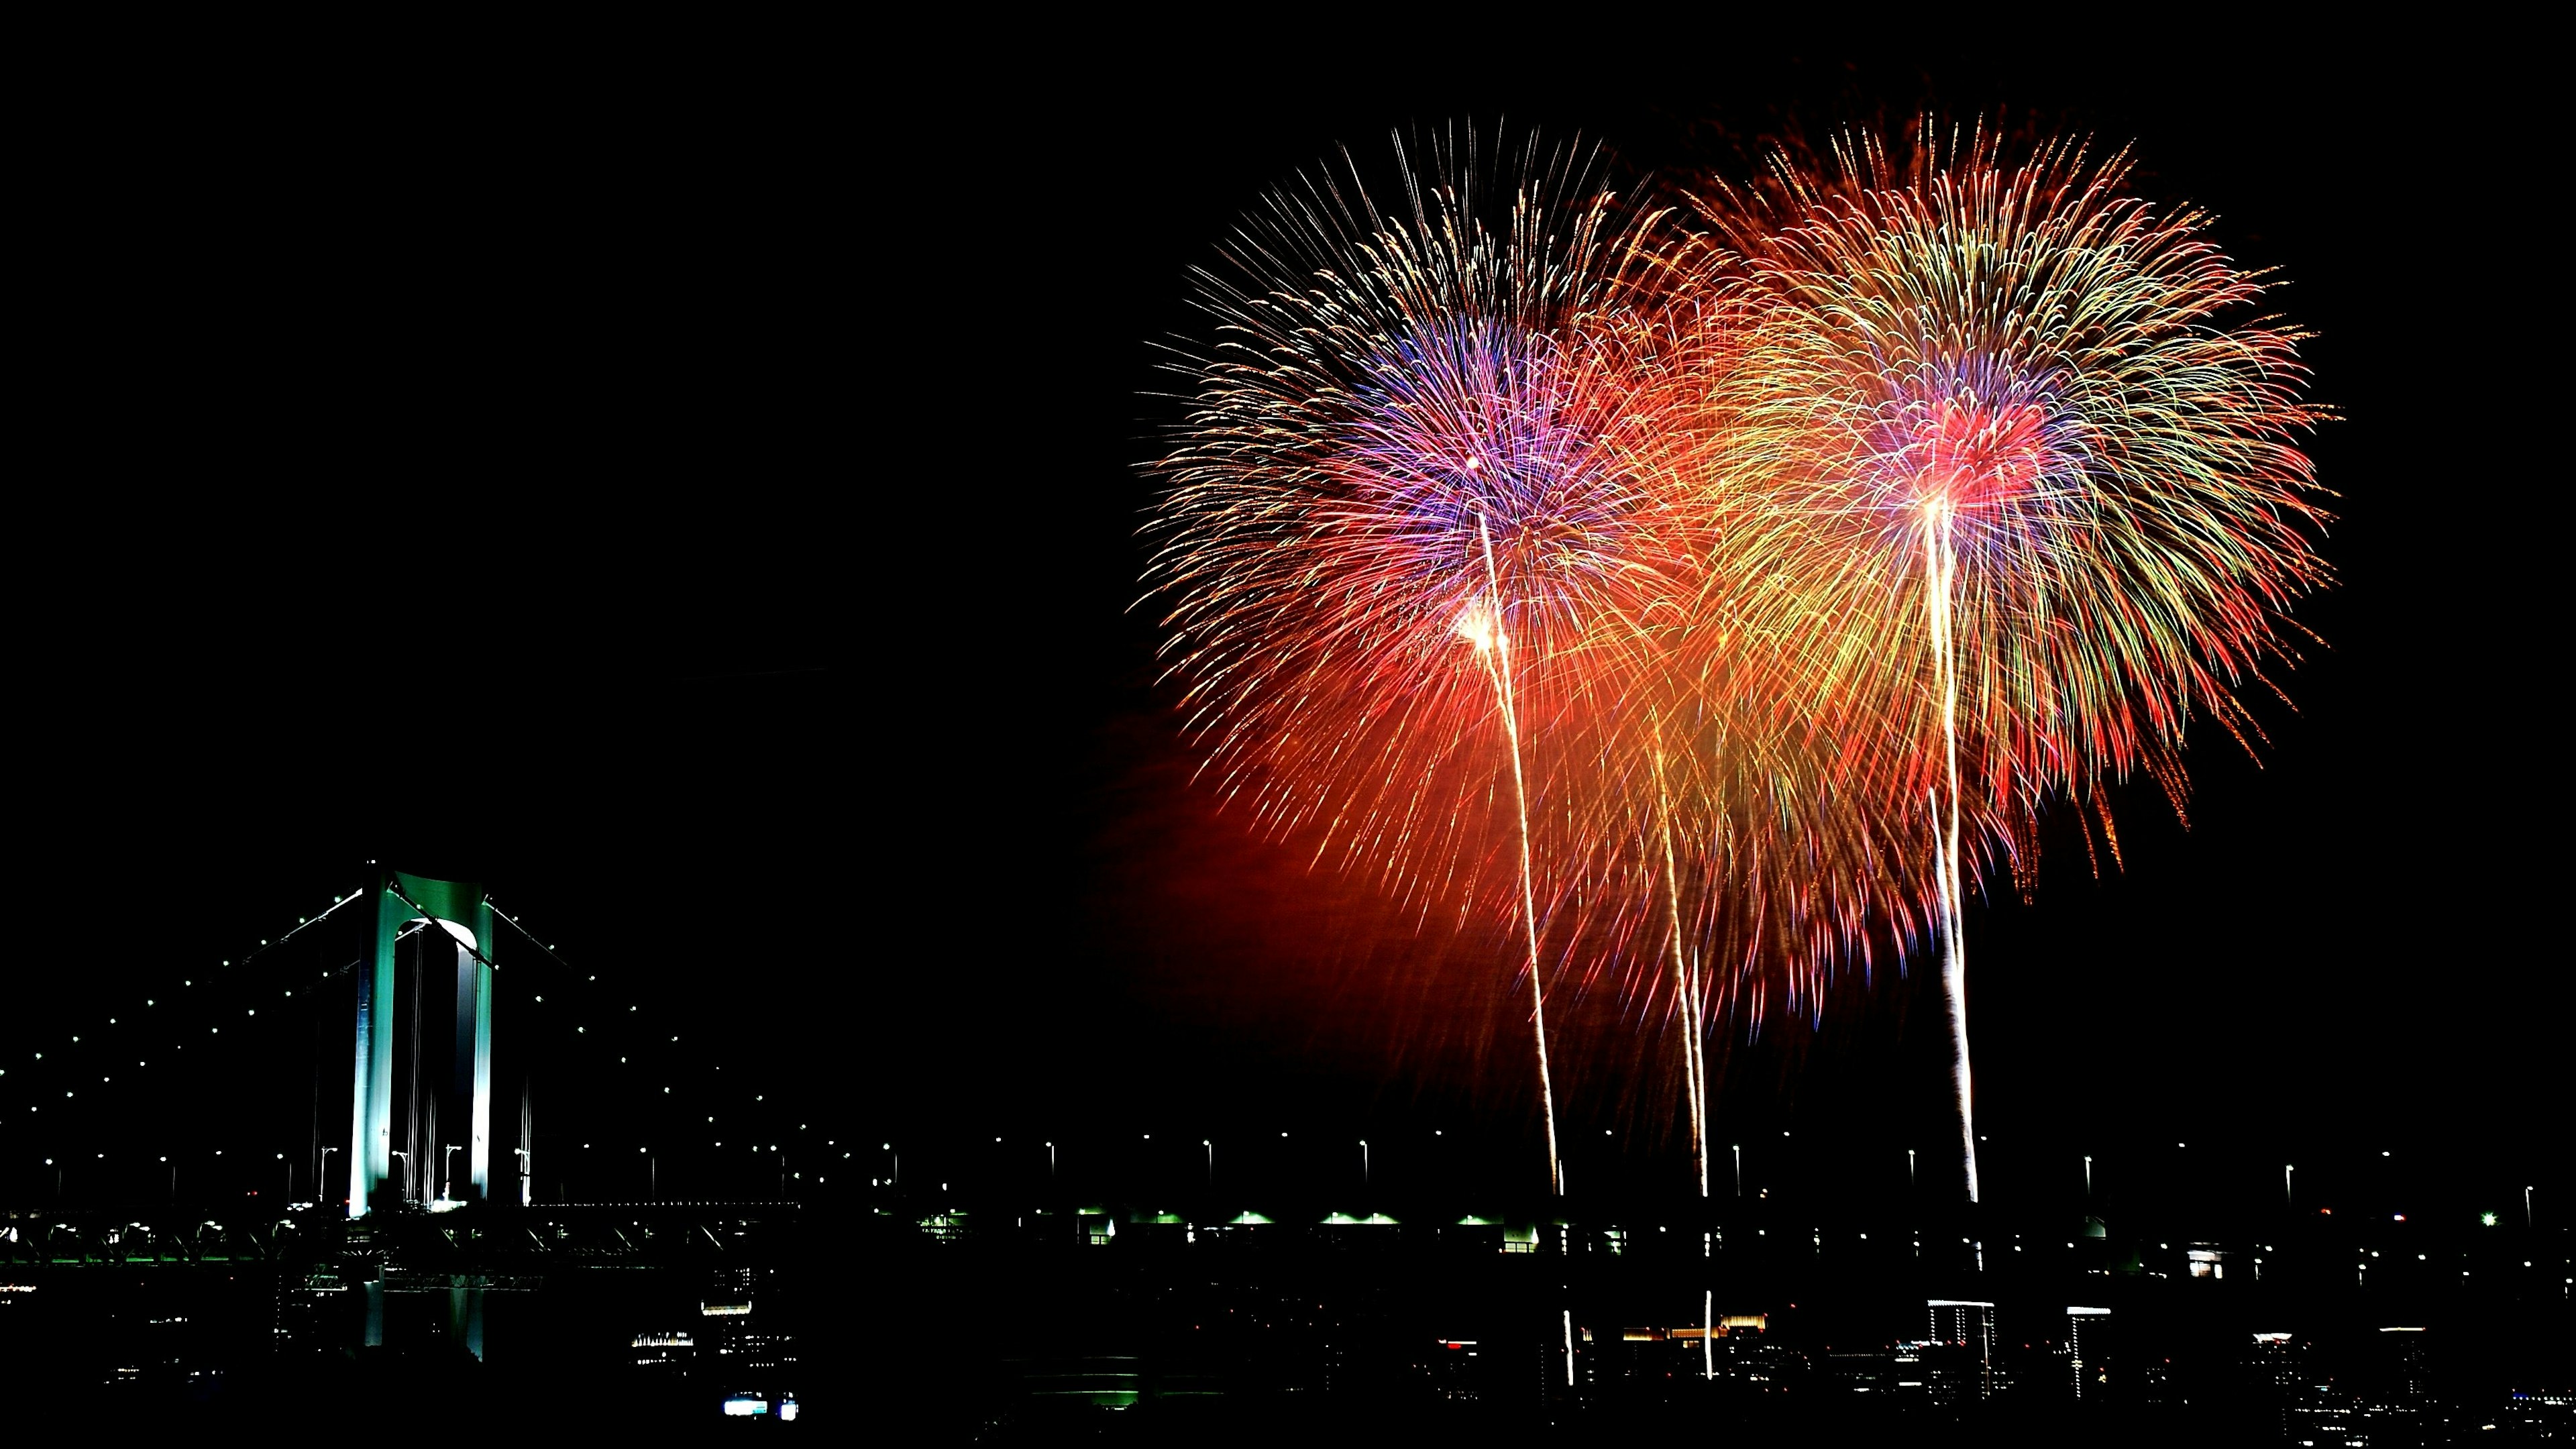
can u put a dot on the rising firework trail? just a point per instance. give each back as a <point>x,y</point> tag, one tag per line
<point>1484,627</point>
<point>1940,565</point>
<point>1686,984</point>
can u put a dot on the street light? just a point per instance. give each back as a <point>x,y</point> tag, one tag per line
<point>406,1157</point>
<point>1364,1162</point>
<point>447,1170</point>
<point>527,1175</point>
<point>322,1170</point>
<point>1211,1161</point>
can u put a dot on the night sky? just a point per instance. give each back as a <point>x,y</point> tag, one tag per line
<point>703,508</point>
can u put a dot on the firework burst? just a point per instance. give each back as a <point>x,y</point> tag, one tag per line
<point>1398,519</point>
<point>2047,490</point>
<point>1717,604</point>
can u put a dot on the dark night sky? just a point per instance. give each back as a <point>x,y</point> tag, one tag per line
<point>699,499</point>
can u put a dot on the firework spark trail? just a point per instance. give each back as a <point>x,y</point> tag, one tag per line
<point>1492,639</point>
<point>1940,561</point>
<point>1685,981</point>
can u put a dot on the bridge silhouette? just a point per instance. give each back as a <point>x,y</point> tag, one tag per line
<point>351,1107</point>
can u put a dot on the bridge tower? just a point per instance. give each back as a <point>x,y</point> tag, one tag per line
<point>459,911</point>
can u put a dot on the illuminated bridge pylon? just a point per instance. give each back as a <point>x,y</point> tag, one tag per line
<point>459,909</point>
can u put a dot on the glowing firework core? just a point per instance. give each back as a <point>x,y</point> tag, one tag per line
<point>1476,625</point>
<point>1968,456</point>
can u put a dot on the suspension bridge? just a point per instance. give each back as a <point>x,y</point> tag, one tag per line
<point>350,1108</point>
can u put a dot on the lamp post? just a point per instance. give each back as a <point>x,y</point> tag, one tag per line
<point>2088,1180</point>
<point>527,1175</point>
<point>1050,1162</point>
<point>2288,1199</point>
<point>1739,1169</point>
<point>322,1172</point>
<point>1909,1169</point>
<point>447,1170</point>
<point>1211,1162</point>
<point>1364,1163</point>
<point>406,1157</point>
<point>290,1176</point>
